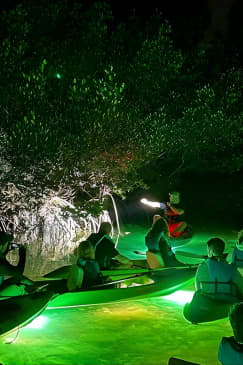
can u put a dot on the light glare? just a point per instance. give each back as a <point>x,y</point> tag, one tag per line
<point>37,323</point>
<point>180,296</point>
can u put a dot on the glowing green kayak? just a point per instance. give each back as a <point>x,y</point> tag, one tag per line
<point>160,283</point>
<point>22,309</point>
<point>19,311</point>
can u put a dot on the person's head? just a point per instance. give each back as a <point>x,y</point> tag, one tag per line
<point>159,225</point>
<point>5,239</point>
<point>174,197</point>
<point>215,247</point>
<point>105,228</point>
<point>86,250</point>
<point>240,238</point>
<point>236,321</point>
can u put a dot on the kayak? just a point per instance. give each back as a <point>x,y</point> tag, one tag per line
<point>176,361</point>
<point>161,283</point>
<point>204,308</point>
<point>19,311</point>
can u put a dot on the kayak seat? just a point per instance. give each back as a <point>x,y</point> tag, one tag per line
<point>154,260</point>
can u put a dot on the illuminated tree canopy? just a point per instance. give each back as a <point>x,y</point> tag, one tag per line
<point>86,103</point>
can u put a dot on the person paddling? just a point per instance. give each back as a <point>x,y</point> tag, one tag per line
<point>159,253</point>
<point>177,227</point>
<point>215,277</point>
<point>105,252</point>
<point>86,272</point>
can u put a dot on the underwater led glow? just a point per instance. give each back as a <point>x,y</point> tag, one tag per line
<point>180,296</point>
<point>37,323</point>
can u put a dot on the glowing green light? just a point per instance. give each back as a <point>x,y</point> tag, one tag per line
<point>37,323</point>
<point>180,296</point>
<point>58,76</point>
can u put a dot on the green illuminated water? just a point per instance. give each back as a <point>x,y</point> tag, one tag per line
<point>142,332</point>
<point>136,332</point>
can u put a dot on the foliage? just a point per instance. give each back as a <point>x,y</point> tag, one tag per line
<point>80,117</point>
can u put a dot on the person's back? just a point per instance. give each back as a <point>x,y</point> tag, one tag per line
<point>231,348</point>
<point>96,238</point>
<point>105,252</point>
<point>215,276</point>
<point>221,277</point>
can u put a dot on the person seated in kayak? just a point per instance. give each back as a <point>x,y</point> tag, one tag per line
<point>237,255</point>
<point>231,348</point>
<point>156,241</point>
<point>105,252</point>
<point>217,278</point>
<point>177,228</point>
<point>86,272</point>
<point>158,229</point>
<point>14,273</point>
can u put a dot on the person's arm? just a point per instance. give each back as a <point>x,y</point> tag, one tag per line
<point>174,211</point>
<point>123,259</point>
<point>75,278</point>
<point>238,279</point>
<point>201,275</point>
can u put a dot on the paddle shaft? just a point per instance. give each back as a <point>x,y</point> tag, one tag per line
<point>181,253</point>
<point>115,281</point>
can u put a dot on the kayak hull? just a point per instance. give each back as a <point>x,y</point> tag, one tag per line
<point>206,309</point>
<point>19,311</point>
<point>165,282</point>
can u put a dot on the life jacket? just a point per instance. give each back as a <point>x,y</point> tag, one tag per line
<point>221,280</point>
<point>92,273</point>
<point>237,257</point>
<point>230,352</point>
<point>174,229</point>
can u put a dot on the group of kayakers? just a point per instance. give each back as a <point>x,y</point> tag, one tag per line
<point>215,277</point>
<point>96,253</point>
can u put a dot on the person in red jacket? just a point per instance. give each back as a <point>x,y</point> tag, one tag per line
<point>177,227</point>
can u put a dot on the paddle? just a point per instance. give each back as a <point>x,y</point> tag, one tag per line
<point>114,282</point>
<point>181,253</point>
<point>176,361</point>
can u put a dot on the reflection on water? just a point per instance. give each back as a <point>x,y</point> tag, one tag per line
<point>142,332</point>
